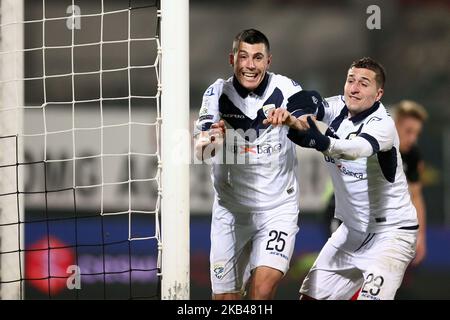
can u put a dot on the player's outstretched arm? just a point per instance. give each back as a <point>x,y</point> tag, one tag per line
<point>280,116</point>
<point>208,141</point>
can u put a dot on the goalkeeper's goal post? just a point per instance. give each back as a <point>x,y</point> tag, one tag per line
<point>175,148</point>
<point>11,118</point>
<point>94,149</point>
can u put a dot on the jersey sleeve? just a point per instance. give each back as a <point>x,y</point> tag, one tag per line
<point>349,149</point>
<point>330,109</point>
<point>289,88</point>
<point>379,132</point>
<point>305,102</point>
<point>209,111</point>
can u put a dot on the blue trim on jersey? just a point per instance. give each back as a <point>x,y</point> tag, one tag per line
<point>388,163</point>
<point>244,92</point>
<point>366,241</point>
<point>331,133</point>
<point>206,126</point>
<point>362,115</point>
<point>275,98</point>
<point>238,120</point>
<point>205,117</point>
<point>320,112</point>
<point>373,142</point>
<point>356,132</point>
<point>338,120</point>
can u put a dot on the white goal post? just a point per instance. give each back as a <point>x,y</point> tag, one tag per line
<point>11,117</point>
<point>175,148</point>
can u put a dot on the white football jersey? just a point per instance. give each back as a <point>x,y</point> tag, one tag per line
<point>371,193</point>
<point>256,168</point>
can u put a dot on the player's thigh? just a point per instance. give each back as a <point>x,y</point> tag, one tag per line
<point>230,250</point>
<point>273,244</point>
<point>333,275</point>
<point>385,265</point>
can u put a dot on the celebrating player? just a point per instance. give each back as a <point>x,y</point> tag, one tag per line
<point>254,218</point>
<point>376,241</point>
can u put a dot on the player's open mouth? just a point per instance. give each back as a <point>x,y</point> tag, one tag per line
<point>249,76</point>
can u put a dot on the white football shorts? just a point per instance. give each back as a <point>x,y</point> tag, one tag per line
<point>351,260</point>
<point>242,241</point>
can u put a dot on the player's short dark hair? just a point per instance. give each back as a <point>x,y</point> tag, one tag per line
<point>371,64</point>
<point>251,36</point>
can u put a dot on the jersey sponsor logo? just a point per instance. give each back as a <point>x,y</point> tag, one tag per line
<point>344,170</point>
<point>267,148</point>
<point>264,148</point>
<point>266,109</point>
<point>233,115</point>
<point>246,149</point>
<point>218,270</point>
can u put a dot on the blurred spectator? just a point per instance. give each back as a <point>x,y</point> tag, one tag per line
<point>409,118</point>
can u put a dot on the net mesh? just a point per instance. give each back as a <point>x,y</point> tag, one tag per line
<point>82,194</point>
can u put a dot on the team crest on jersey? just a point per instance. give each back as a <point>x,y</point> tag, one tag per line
<point>218,269</point>
<point>267,108</point>
<point>209,92</point>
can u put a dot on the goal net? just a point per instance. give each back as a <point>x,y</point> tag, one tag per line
<point>83,172</point>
